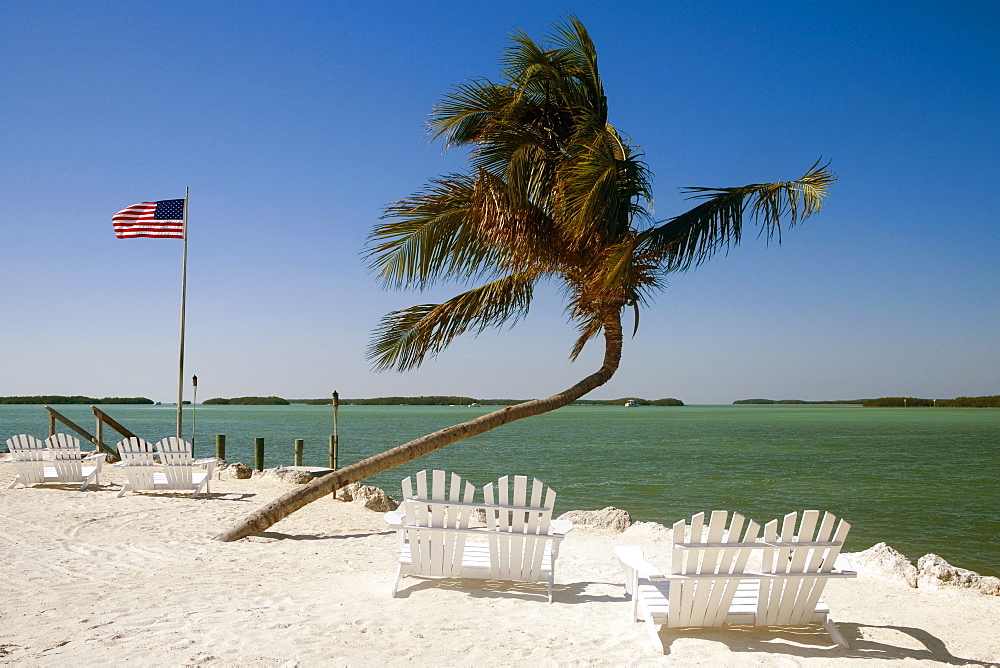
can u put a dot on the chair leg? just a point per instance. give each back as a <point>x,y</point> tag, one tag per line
<point>395,583</point>
<point>835,633</point>
<point>14,481</point>
<point>122,490</point>
<point>654,635</point>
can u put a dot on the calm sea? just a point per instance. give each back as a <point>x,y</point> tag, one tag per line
<point>922,480</point>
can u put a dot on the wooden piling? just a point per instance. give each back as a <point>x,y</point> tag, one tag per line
<point>258,453</point>
<point>220,447</point>
<point>300,446</point>
<point>335,438</point>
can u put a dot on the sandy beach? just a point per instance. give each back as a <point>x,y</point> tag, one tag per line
<point>97,580</point>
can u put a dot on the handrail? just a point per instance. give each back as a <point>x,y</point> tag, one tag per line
<point>97,442</point>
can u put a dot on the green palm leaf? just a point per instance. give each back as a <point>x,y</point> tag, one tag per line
<point>692,238</point>
<point>405,337</point>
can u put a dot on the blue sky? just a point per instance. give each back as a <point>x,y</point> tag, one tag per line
<point>295,124</point>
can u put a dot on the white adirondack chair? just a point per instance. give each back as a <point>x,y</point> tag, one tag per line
<point>138,459</point>
<point>57,459</point>
<point>181,471</point>
<point>710,584</point>
<point>166,466</point>
<point>523,537</point>
<point>432,525</point>
<point>28,455</point>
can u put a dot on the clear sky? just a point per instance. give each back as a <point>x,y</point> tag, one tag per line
<point>296,123</point>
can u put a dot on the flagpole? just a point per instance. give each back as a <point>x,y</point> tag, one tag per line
<point>184,270</point>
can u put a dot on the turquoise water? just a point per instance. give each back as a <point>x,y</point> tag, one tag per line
<point>922,480</point>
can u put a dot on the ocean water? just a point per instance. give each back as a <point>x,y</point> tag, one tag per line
<point>922,480</point>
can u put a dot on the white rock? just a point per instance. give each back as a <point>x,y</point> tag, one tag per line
<point>611,518</point>
<point>882,562</point>
<point>239,470</point>
<point>935,572</point>
<point>370,497</point>
<point>290,475</point>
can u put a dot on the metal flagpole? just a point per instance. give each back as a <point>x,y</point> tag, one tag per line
<point>184,271</point>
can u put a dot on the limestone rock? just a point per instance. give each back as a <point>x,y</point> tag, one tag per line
<point>239,470</point>
<point>290,475</point>
<point>882,562</point>
<point>610,518</point>
<point>370,497</point>
<point>933,572</point>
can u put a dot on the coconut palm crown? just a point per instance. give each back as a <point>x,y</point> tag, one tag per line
<point>554,192</point>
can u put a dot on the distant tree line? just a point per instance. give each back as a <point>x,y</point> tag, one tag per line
<point>466,401</point>
<point>642,402</point>
<point>415,401</point>
<point>798,401</point>
<point>249,401</point>
<point>894,402</point>
<point>59,399</point>
<point>958,402</point>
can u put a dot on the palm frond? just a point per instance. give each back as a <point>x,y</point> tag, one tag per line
<point>465,115</point>
<point>693,237</point>
<point>430,236</point>
<point>406,337</point>
<point>600,193</point>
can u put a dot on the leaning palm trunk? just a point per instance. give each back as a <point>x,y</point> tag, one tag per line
<point>285,505</point>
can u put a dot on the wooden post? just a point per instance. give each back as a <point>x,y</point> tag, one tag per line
<point>194,402</point>
<point>258,453</point>
<point>220,447</point>
<point>111,422</point>
<point>300,446</point>
<point>55,415</point>
<point>335,438</point>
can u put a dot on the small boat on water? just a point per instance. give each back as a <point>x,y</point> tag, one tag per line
<point>631,403</point>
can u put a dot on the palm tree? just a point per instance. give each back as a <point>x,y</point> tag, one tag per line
<point>555,193</point>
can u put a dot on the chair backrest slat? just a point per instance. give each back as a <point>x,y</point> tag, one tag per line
<point>515,551</point>
<point>28,454</point>
<point>139,461</point>
<point>792,600</point>
<point>66,458</point>
<point>435,548</point>
<point>706,601</point>
<point>178,462</point>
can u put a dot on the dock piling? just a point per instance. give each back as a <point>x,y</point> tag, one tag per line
<point>258,453</point>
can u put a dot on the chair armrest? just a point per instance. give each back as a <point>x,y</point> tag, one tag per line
<point>96,455</point>
<point>560,527</point>
<point>844,565</point>
<point>630,557</point>
<point>394,518</point>
<point>632,561</point>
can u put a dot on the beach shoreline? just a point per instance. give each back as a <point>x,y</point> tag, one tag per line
<point>97,579</point>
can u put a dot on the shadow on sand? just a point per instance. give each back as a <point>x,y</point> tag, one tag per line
<point>813,642</point>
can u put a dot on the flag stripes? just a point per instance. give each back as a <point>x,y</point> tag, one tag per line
<point>163,219</point>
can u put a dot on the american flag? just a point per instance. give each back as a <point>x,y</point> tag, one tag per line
<point>163,219</point>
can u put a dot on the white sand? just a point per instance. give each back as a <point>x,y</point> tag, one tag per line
<point>95,580</point>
